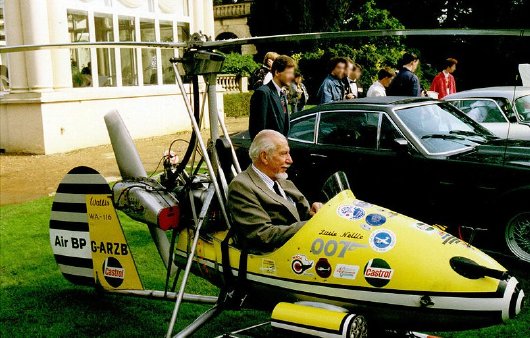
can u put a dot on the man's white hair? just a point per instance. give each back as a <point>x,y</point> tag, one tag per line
<point>266,140</point>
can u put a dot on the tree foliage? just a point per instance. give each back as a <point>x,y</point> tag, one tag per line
<point>241,65</point>
<point>303,16</point>
<point>483,61</point>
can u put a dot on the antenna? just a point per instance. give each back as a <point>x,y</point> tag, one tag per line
<point>512,103</point>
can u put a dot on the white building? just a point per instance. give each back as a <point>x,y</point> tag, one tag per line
<point>55,100</point>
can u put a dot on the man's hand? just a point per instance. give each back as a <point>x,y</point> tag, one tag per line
<point>315,207</point>
<point>350,96</point>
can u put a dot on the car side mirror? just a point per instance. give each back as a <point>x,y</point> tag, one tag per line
<point>400,145</point>
<point>512,118</point>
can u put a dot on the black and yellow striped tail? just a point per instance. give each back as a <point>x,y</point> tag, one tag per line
<point>87,240</point>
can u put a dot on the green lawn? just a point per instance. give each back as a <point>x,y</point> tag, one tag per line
<point>36,301</point>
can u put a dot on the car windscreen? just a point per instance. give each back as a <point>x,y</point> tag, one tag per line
<point>442,128</point>
<point>522,105</point>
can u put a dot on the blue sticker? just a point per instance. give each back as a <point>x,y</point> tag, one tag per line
<point>350,212</point>
<point>358,213</point>
<point>375,219</point>
<point>382,240</point>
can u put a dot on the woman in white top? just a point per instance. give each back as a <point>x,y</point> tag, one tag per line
<point>378,88</point>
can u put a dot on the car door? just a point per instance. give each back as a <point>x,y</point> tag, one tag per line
<point>347,141</point>
<point>301,142</point>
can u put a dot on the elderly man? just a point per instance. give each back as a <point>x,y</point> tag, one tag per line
<point>266,208</point>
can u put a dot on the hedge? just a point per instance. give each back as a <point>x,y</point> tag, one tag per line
<point>237,105</point>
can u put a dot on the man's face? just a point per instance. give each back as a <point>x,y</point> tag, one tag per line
<point>278,161</point>
<point>286,77</point>
<point>348,70</point>
<point>340,70</point>
<point>451,69</point>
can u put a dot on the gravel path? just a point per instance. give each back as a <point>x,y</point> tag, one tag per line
<point>27,177</point>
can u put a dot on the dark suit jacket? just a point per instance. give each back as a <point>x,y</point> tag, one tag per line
<point>260,217</point>
<point>406,83</point>
<point>266,111</point>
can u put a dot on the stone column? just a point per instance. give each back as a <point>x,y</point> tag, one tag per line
<point>16,61</point>
<point>58,30</point>
<point>208,19</point>
<point>197,23</point>
<point>34,14</point>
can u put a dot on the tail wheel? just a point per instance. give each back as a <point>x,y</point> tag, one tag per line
<point>358,327</point>
<point>517,235</point>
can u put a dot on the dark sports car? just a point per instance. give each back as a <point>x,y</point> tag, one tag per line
<point>421,157</point>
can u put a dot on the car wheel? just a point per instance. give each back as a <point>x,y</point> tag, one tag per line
<point>517,235</point>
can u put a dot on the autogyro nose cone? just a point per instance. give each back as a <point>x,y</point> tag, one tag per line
<point>517,302</point>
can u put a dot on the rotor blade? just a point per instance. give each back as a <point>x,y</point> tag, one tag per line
<point>279,38</point>
<point>130,44</point>
<point>368,33</point>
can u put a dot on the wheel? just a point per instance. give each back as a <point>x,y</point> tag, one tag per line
<point>517,235</point>
<point>358,327</point>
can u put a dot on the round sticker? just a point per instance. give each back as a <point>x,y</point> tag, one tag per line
<point>323,268</point>
<point>377,272</point>
<point>350,212</point>
<point>382,240</point>
<point>375,219</point>
<point>300,264</point>
<point>113,272</point>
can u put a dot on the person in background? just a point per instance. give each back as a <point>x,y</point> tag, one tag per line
<point>268,104</point>
<point>351,84</point>
<point>384,78</point>
<point>263,75</point>
<point>444,83</point>
<point>332,88</point>
<point>297,95</point>
<point>406,83</point>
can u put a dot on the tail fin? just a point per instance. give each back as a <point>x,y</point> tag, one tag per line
<point>86,235</point>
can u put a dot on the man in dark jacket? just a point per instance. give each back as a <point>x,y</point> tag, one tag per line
<point>406,83</point>
<point>268,104</point>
